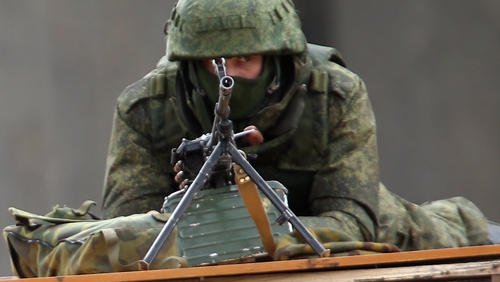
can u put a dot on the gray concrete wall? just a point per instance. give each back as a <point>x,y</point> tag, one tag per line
<point>62,66</point>
<point>431,69</point>
<point>432,72</point>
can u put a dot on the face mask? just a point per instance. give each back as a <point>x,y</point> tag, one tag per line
<point>248,95</point>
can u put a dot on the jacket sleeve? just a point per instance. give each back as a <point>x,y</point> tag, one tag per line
<point>346,188</point>
<point>134,180</point>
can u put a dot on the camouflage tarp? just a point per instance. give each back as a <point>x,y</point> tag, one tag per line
<point>68,241</point>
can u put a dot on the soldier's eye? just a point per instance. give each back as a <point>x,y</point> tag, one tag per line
<point>244,58</point>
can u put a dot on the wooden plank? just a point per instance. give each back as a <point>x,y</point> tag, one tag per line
<point>337,263</point>
<point>474,271</point>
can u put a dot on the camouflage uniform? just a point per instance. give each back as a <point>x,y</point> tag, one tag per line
<point>320,142</point>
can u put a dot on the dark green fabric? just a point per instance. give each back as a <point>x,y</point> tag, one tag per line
<point>248,94</point>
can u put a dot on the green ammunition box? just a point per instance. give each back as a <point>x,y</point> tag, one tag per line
<point>217,227</point>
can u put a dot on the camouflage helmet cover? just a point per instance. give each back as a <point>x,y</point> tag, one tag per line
<point>200,29</point>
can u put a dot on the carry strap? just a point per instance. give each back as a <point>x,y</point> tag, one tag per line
<point>253,203</point>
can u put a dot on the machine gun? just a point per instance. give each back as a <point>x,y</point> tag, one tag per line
<point>217,152</point>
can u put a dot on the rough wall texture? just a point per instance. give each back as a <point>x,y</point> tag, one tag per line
<point>431,69</point>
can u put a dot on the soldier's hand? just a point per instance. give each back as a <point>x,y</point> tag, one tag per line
<point>255,137</point>
<point>181,180</point>
<point>179,166</point>
<point>180,176</point>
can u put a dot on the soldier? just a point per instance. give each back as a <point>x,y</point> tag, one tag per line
<point>315,116</point>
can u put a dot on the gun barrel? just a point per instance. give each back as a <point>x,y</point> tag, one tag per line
<point>225,89</point>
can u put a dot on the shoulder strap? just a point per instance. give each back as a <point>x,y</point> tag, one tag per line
<point>166,71</point>
<point>163,110</point>
<point>319,86</point>
<point>253,203</point>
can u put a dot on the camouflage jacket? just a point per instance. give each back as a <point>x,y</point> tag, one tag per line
<point>320,143</point>
<point>323,147</point>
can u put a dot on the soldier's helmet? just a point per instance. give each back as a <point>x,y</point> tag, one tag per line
<point>201,29</point>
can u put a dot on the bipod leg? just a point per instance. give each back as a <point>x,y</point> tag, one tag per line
<point>191,191</point>
<point>286,213</point>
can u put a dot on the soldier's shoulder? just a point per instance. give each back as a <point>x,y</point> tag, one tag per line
<point>320,54</point>
<point>344,82</point>
<point>133,93</point>
<point>146,87</point>
<point>341,80</point>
